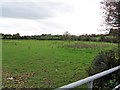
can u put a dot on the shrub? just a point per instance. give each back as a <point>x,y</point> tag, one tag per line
<point>104,61</point>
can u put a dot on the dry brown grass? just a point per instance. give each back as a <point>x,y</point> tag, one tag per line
<point>83,45</point>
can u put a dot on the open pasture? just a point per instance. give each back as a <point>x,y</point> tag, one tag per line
<point>47,64</point>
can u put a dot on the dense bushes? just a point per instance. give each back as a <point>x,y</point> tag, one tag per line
<point>105,61</point>
<point>66,36</point>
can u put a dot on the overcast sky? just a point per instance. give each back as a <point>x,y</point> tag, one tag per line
<point>35,17</point>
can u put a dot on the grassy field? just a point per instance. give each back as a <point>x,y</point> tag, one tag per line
<point>47,64</point>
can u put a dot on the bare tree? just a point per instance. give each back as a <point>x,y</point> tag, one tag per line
<point>66,36</point>
<point>111,13</point>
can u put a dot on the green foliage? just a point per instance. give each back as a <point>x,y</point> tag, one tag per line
<point>104,61</point>
<point>114,32</point>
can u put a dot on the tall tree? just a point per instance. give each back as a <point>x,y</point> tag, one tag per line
<point>111,11</point>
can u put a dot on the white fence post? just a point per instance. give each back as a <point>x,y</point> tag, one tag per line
<point>90,85</point>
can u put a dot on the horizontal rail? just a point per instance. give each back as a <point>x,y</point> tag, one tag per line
<point>118,86</point>
<point>88,79</point>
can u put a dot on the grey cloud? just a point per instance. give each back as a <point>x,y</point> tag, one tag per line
<point>33,10</point>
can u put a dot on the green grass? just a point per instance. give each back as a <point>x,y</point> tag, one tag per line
<point>47,64</point>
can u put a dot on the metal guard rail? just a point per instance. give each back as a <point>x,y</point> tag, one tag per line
<point>90,80</point>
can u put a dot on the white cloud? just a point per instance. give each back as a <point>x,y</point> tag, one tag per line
<point>33,10</point>
<point>75,16</point>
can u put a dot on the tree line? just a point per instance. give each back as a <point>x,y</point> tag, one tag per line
<point>110,37</point>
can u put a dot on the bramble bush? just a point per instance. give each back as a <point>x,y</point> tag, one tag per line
<point>104,61</point>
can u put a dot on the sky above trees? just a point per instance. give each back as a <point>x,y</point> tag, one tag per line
<point>35,17</point>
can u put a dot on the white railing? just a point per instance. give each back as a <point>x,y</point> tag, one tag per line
<point>90,80</point>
